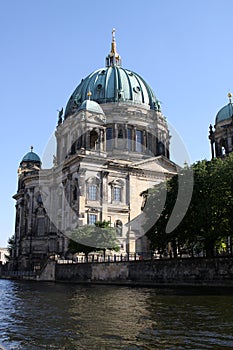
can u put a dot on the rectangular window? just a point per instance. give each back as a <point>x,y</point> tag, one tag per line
<point>117,194</point>
<point>92,219</point>
<point>109,139</point>
<point>129,139</point>
<point>139,141</point>
<point>92,193</point>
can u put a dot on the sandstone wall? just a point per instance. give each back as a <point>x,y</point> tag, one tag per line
<point>196,271</point>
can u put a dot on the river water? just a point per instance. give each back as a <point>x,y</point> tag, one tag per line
<point>58,316</point>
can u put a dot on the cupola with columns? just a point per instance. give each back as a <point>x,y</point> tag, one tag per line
<point>113,111</point>
<point>220,136</point>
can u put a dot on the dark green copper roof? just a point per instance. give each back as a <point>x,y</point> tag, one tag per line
<point>225,112</point>
<point>112,84</point>
<point>91,106</point>
<point>31,157</point>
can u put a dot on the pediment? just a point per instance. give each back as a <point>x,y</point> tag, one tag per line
<point>158,164</point>
<point>95,118</point>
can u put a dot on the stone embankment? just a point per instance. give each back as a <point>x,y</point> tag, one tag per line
<point>198,271</point>
<point>165,272</point>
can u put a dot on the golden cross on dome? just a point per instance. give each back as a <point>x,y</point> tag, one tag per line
<point>229,96</point>
<point>89,95</point>
<point>113,50</point>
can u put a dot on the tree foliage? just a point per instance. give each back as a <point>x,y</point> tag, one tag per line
<point>208,220</point>
<point>93,238</point>
<point>10,246</point>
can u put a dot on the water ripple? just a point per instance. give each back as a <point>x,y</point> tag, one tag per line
<point>54,316</point>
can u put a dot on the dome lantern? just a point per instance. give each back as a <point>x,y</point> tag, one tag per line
<point>113,58</point>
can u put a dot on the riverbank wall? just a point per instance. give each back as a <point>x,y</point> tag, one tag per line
<point>160,272</point>
<point>197,272</point>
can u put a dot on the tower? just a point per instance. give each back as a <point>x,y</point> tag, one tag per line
<point>221,136</point>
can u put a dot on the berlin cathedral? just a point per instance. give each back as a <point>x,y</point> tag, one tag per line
<point>112,145</point>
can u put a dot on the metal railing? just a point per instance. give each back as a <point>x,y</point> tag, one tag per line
<point>17,273</point>
<point>149,256</point>
<point>100,258</point>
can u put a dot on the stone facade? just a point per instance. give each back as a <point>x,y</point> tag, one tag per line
<point>107,155</point>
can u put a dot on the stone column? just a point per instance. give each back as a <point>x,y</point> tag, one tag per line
<point>126,136</point>
<point>134,133</point>
<point>144,141</point>
<point>115,136</point>
<point>102,140</point>
<point>87,134</point>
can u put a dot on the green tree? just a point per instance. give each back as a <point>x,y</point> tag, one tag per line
<point>10,246</point>
<point>208,221</point>
<point>93,238</point>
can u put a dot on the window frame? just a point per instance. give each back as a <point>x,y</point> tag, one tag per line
<point>92,192</point>
<point>139,140</point>
<point>93,216</point>
<point>117,193</point>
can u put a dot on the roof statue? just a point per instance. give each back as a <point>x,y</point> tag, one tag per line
<point>113,59</point>
<point>60,113</point>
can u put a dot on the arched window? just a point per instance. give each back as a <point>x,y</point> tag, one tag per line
<point>160,148</point>
<point>40,221</point>
<point>117,194</point>
<point>93,139</point>
<point>92,192</point>
<point>223,147</point>
<point>92,189</point>
<point>139,140</point>
<point>120,133</point>
<point>116,190</point>
<point>129,139</point>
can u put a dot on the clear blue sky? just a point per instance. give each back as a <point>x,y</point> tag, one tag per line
<point>182,48</point>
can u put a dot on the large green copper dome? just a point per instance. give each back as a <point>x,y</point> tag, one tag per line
<point>113,84</point>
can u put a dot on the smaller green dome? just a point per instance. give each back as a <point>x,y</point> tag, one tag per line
<point>225,113</point>
<point>31,157</point>
<point>90,106</point>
